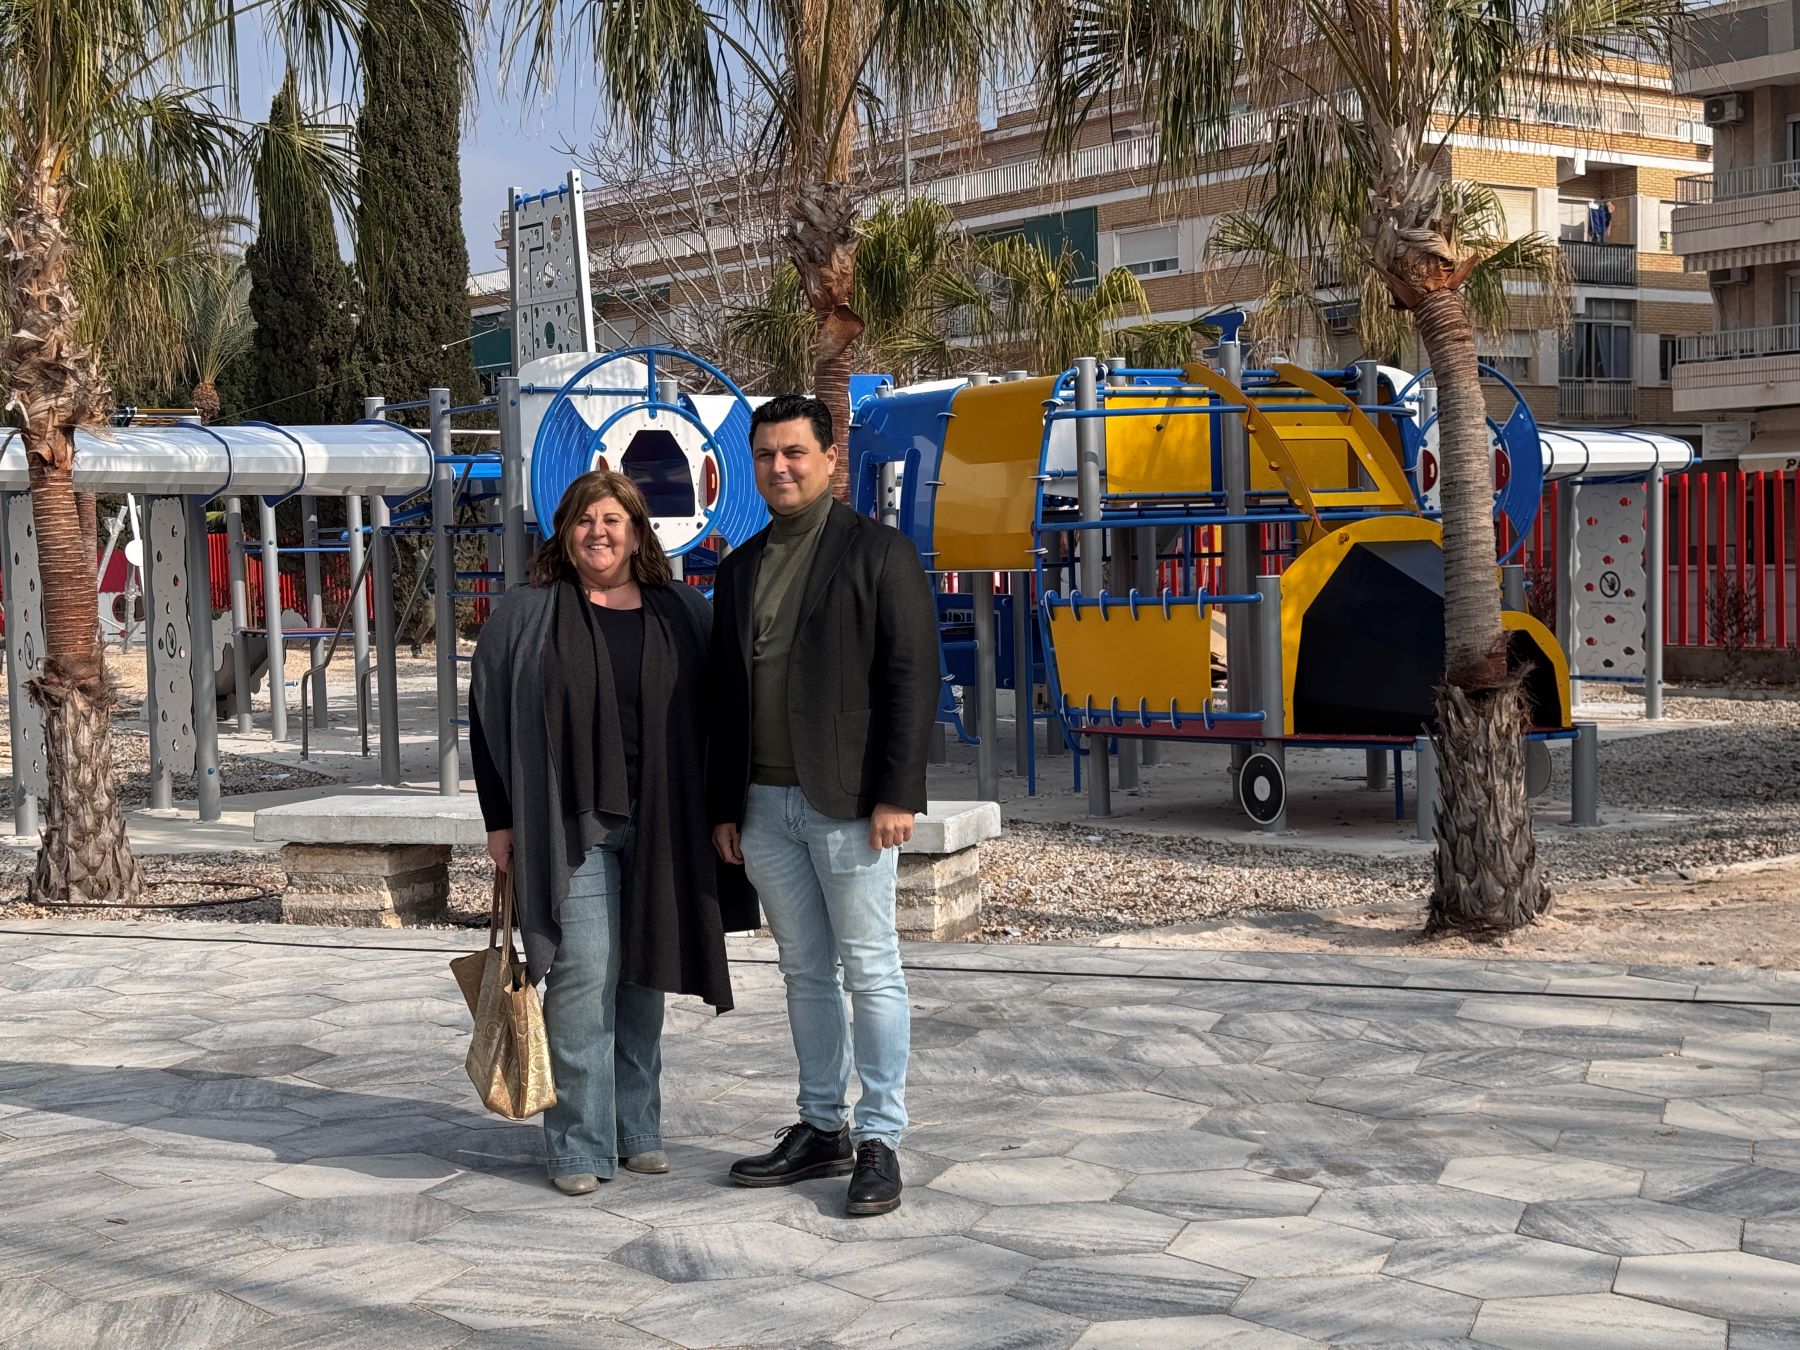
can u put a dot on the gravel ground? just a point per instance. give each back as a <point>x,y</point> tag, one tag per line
<point>1736,788</point>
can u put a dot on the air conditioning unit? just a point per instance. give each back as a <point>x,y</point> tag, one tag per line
<point>1340,320</point>
<point>1728,276</point>
<point>1724,110</point>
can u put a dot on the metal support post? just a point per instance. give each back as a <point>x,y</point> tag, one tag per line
<point>1143,576</point>
<point>1426,797</point>
<point>1565,584</point>
<point>200,664</point>
<point>1024,691</point>
<point>887,480</point>
<point>1656,574</point>
<point>443,568</point>
<point>1240,560</point>
<point>512,480</point>
<point>156,570</point>
<point>24,803</point>
<point>987,713</point>
<point>315,607</point>
<point>1375,770</point>
<point>238,569</point>
<point>387,700</point>
<point>1512,587</point>
<point>1584,776</point>
<point>271,579</point>
<point>1274,694</point>
<point>1090,450</point>
<point>359,607</point>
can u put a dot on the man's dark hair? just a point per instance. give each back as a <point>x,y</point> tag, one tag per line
<point>793,408</point>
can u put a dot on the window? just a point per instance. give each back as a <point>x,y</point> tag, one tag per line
<point>1599,345</point>
<point>1510,354</point>
<point>1665,357</point>
<point>1571,219</point>
<point>1145,253</point>
<point>1518,206</point>
<point>1665,227</point>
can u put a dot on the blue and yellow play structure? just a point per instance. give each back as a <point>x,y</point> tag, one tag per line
<point>1115,491</point>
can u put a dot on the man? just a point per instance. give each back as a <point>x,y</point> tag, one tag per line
<point>825,666</point>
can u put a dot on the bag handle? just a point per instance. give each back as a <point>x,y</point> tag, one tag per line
<point>500,911</point>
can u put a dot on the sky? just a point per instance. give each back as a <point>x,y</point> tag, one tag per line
<point>512,138</point>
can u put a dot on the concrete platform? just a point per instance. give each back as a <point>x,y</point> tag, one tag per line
<point>240,1136</point>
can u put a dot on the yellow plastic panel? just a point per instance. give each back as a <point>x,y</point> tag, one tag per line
<point>1266,443</point>
<point>988,492</point>
<point>1158,454</point>
<point>1306,576</point>
<point>1148,657</point>
<point>1517,621</point>
<point>1353,430</point>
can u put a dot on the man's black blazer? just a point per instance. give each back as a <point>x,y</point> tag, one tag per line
<point>863,676</point>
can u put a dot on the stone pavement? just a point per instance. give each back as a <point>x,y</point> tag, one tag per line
<point>261,1137</point>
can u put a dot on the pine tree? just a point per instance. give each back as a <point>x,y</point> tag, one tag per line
<point>412,259</point>
<point>302,359</point>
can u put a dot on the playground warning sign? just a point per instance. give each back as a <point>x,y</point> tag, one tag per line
<point>1606,612</point>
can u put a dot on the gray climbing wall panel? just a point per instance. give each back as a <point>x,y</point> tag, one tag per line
<point>25,638</point>
<point>166,616</point>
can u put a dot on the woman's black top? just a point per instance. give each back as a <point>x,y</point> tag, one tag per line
<point>623,631</point>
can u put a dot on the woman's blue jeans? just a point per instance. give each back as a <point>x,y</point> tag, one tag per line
<point>605,1035</point>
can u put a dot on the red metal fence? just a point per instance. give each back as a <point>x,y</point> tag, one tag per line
<point>334,581</point>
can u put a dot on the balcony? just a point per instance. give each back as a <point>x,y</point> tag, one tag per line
<point>1601,264</point>
<point>1612,402</point>
<point>1737,369</point>
<point>1726,47</point>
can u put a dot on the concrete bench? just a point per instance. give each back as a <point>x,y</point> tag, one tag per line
<point>371,861</point>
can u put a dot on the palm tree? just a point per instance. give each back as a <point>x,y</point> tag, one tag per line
<point>1362,100</point>
<point>1047,312</point>
<point>92,83</point>
<point>822,66</point>
<point>219,326</point>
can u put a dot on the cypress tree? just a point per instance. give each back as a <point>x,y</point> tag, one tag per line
<point>301,367</point>
<point>412,259</point>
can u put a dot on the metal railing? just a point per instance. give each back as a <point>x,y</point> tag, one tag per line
<point>1610,401</point>
<point>1694,190</point>
<point>1735,344</point>
<point>1601,264</point>
<point>1755,180</point>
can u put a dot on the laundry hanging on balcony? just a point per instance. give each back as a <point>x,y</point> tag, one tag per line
<point>1599,221</point>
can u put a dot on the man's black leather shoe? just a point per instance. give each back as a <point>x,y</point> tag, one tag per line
<point>875,1185</point>
<point>801,1153</point>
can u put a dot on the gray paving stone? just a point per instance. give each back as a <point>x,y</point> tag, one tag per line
<point>1439,1033</point>
<point>1492,1068</point>
<point>1164,1151</point>
<point>1349,1059</point>
<point>1593,1322</point>
<point>1564,1106</point>
<point>1348,1165</point>
<point>1076,1229</point>
<point>1420,1211</point>
<point>1356,1309</point>
<point>484,1192</point>
<point>25,1303</point>
<point>1282,1246</point>
<point>1750,1116</point>
<point>1745,1049</point>
<point>1118,1112</point>
<point>1030,1181</point>
<point>136,1266</point>
<point>981,1323</point>
<point>389,1328</point>
<point>27,1248</point>
<point>1745,1192</point>
<point>1541,1176</point>
<point>1526,1010</point>
<point>502,1292</point>
<point>1501,1265</point>
<point>1608,1042</point>
<point>1274,1028</point>
<point>1737,1285</point>
<point>196,1208</point>
<point>346,1220</point>
<point>1105,1288</point>
<point>1024,1138</point>
<point>566,1335</point>
<point>327,1279</point>
<point>722,1251</point>
<point>1655,1145</point>
<point>1234,1084</point>
<point>196,1321</point>
<point>1147,1019</point>
<point>1779,1238</point>
<point>1447,1137</point>
<point>361,1174</point>
<point>780,1311</point>
<point>1219,1195</point>
<point>1214,1332</point>
<point>920,1268</point>
<point>1290,1123</point>
<point>1190,1050</point>
<point>1673,1076</point>
<point>1630,1227</point>
<point>1397,1098</point>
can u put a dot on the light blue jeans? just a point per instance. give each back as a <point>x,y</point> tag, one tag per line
<point>605,1035</point>
<point>829,901</point>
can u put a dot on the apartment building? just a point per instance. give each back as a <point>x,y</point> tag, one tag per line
<point>1739,227</point>
<point>1597,169</point>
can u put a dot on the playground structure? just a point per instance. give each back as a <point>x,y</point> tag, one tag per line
<point>1112,495</point>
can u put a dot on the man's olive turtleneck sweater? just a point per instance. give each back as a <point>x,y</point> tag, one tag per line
<point>787,556</point>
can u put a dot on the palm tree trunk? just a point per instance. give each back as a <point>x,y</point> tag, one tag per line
<point>1486,877</point>
<point>57,386</point>
<point>821,237</point>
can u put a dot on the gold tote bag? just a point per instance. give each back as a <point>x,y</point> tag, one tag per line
<point>509,1055</point>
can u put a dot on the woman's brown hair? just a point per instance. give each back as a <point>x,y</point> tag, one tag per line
<point>555,561</point>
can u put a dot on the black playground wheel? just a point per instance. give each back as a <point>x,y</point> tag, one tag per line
<point>1262,788</point>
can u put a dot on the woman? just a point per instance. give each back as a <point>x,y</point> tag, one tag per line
<point>587,710</point>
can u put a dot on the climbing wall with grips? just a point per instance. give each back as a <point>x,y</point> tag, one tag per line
<point>1606,613</point>
<point>171,704</point>
<point>25,638</point>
